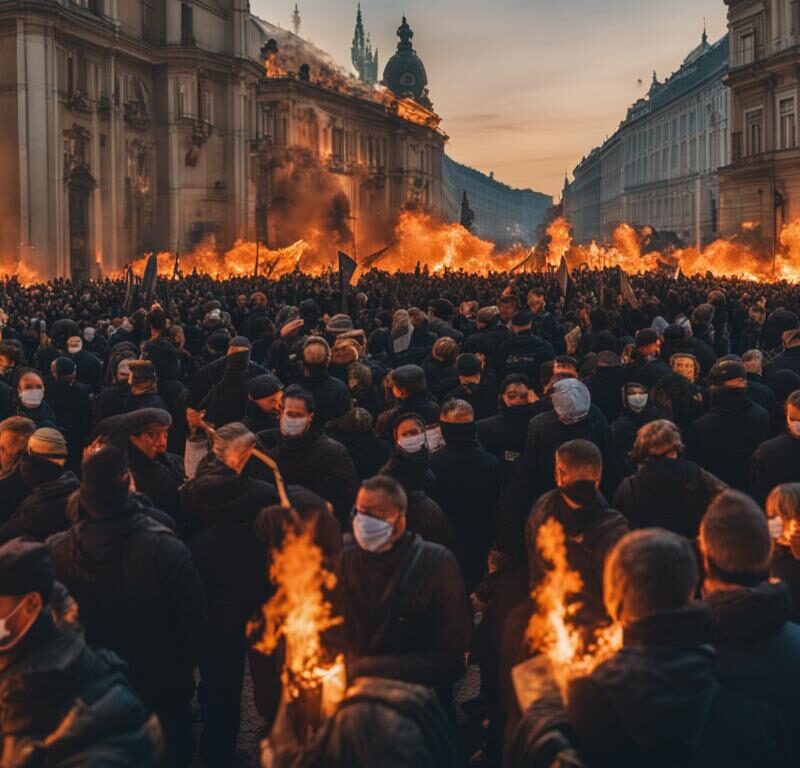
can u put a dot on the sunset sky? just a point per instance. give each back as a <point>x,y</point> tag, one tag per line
<point>525,87</point>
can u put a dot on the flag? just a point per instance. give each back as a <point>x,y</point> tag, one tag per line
<point>130,284</point>
<point>373,258</point>
<point>678,273</point>
<point>525,260</point>
<point>150,277</point>
<point>627,291</point>
<point>272,265</point>
<point>563,276</point>
<point>347,268</point>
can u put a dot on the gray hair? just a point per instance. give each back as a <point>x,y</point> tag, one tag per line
<point>231,437</point>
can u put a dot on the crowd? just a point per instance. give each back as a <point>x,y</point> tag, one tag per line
<point>426,426</point>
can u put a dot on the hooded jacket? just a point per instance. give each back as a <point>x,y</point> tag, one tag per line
<point>774,462</point>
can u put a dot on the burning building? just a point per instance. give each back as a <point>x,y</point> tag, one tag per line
<point>127,127</point>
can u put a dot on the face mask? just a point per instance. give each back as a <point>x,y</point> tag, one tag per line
<point>637,402</point>
<point>794,428</point>
<point>32,398</point>
<point>434,438</point>
<point>581,492</point>
<point>293,426</point>
<point>775,525</point>
<point>412,443</point>
<point>461,432</point>
<point>5,632</point>
<point>371,534</point>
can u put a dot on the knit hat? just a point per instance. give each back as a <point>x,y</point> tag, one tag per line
<point>241,342</point>
<point>48,443</point>
<point>410,378</point>
<point>783,320</point>
<point>264,386</point>
<point>468,364</point>
<point>521,318</point>
<point>25,567</point>
<point>64,367</point>
<point>146,419</point>
<point>571,401</point>
<point>104,484</point>
<point>339,324</point>
<point>142,372</point>
<point>674,332</point>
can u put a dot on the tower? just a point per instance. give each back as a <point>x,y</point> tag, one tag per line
<point>296,20</point>
<point>364,59</point>
<point>405,74</point>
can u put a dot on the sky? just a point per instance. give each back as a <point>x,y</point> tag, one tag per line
<point>525,88</point>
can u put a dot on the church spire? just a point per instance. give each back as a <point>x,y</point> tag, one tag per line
<point>364,59</point>
<point>296,20</point>
<point>705,33</point>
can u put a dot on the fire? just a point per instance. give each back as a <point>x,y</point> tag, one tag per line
<point>299,613</point>
<point>17,268</point>
<point>571,650</point>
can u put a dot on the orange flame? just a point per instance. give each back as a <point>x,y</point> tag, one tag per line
<point>299,613</point>
<point>551,628</point>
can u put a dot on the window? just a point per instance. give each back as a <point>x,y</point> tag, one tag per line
<point>183,101</point>
<point>187,26</point>
<point>747,47</point>
<point>337,145</point>
<point>147,20</point>
<point>753,122</point>
<point>787,131</point>
<point>207,107</point>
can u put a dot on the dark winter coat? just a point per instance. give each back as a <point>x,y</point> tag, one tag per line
<point>43,511</point>
<point>73,414</point>
<point>493,337</point>
<point>89,369</point>
<point>139,594</point>
<point>482,397</point>
<point>623,436</point>
<point>524,353</point>
<point>211,374</point>
<point>774,462</point>
<point>331,397</point>
<point>658,703</point>
<point>368,452</point>
<point>159,479</point>
<point>648,373</point>
<point>257,420</point>
<point>63,704</point>
<point>723,440</point>
<point>420,403</point>
<point>504,436</point>
<point>547,328</point>
<point>436,374</point>
<point>667,493</point>
<point>605,387</point>
<point>758,647</point>
<point>314,461</point>
<point>786,567</point>
<point>12,492</point>
<point>789,360</point>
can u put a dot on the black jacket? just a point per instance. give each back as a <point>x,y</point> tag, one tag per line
<point>789,360</point>
<point>482,397</point>
<point>605,387</point>
<point>43,512</point>
<point>623,436</point>
<point>139,594</point>
<point>504,435</point>
<point>786,567</point>
<point>159,479</point>
<point>331,397</point>
<point>72,409</point>
<point>774,462</point>
<point>420,403</point>
<point>368,452</point>
<point>667,493</point>
<point>758,647</point>
<point>63,704</point>
<point>524,353</point>
<point>314,461</point>
<point>723,440</point>
<point>211,374</point>
<point>420,636</point>
<point>658,703</point>
<point>648,373</point>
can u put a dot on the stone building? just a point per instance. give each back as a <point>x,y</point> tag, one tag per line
<point>762,182</point>
<point>661,166</point>
<point>127,126</point>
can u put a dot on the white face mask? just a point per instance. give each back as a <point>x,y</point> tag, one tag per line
<point>775,525</point>
<point>292,426</point>
<point>31,398</point>
<point>370,533</point>
<point>637,402</point>
<point>412,443</point>
<point>434,439</point>
<point>794,428</point>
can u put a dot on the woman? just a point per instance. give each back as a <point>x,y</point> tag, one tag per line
<point>783,514</point>
<point>440,366</point>
<point>666,491</point>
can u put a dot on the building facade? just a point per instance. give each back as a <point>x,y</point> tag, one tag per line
<point>503,214</point>
<point>661,167</point>
<point>134,125</point>
<point>762,182</point>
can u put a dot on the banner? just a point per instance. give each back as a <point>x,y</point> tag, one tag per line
<point>627,291</point>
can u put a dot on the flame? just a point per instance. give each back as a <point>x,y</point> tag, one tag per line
<point>572,651</point>
<point>11,267</point>
<point>299,613</point>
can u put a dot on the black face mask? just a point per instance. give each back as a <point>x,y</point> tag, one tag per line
<point>454,434</point>
<point>237,361</point>
<point>581,492</point>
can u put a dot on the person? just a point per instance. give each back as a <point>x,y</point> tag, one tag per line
<point>467,488</point>
<point>753,361</point>
<point>410,389</point>
<point>14,434</point>
<point>219,489</point>
<point>783,518</point>
<point>757,644</point>
<point>473,386</point>
<point>30,400</point>
<point>605,384</point>
<point>777,460</point>
<point>226,401</point>
<point>144,387</point>
<point>667,491</point>
<point>573,417</point>
<point>226,503</point>
<point>789,359</point>
<point>48,484</point>
<point>307,457</point>
<point>61,702</point>
<point>524,352</point>
<point>139,594</point>
<point>490,330</point>
<point>114,395</point>
<point>545,325</point>
<point>354,430</point>
<point>71,406</point>
<point>504,434</point>
<point>658,700</point>
<point>685,364</point>
<point>724,440</point>
<point>637,410</point>
<point>263,408</point>
<point>89,367</point>
<point>402,599</point>
<point>440,313</point>
<point>439,366</point>
<point>331,397</point>
<point>648,367</point>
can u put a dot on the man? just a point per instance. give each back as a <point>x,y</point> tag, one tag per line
<point>61,703</point>
<point>650,366</point>
<point>331,396</point>
<point>309,458</point>
<point>30,400</point>
<point>474,387</point>
<point>777,460</point>
<point>49,485</point>
<point>573,417</point>
<point>545,326</point>
<point>144,387</point>
<point>410,388</point>
<point>440,312</point>
<point>724,439</point>
<point>467,488</point>
<point>789,359</point>
<point>227,400</point>
<point>71,406</point>
<point>263,409</point>
<point>606,383</point>
<point>258,311</point>
<point>139,594</point>
<point>490,330</point>
<point>758,647</point>
<point>760,393</point>
<point>403,600</point>
<point>89,368</point>
<point>14,434</point>
<point>658,700</point>
<point>524,353</point>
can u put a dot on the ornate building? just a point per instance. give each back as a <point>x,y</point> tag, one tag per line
<point>126,126</point>
<point>762,182</point>
<point>364,59</point>
<point>661,167</point>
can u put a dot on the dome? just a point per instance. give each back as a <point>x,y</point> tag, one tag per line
<point>404,73</point>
